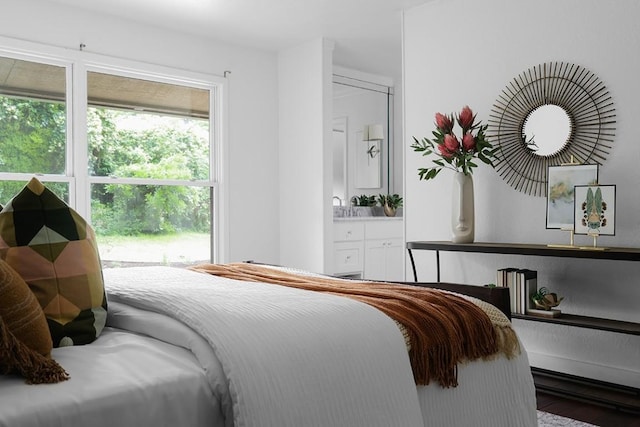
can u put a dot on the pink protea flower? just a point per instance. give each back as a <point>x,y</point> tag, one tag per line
<point>457,154</point>
<point>465,118</point>
<point>444,151</point>
<point>468,142</point>
<point>444,123</point>
<point>452,143</point>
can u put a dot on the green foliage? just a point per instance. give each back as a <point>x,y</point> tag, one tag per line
<point>134,209</point>
<point>33,140</point>
<point>462,161</point>
<point>171,149</point>
<point>8,189</point>
<point>112,146</point>
<point>365,200</point>
<point>394,201</point>
<point>455,153</point>
<point>33,136</point>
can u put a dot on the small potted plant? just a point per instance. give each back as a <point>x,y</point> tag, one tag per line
<point>390,203</point>
<point>365,200</point>
<point>363,205</point>
<point>545,300</point>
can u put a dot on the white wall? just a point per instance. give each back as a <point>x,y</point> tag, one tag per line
<point>252,132</point>
<point>306,167</point>
<point>459,52</point>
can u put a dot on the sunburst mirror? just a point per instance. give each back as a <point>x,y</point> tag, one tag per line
<point>551,114</point>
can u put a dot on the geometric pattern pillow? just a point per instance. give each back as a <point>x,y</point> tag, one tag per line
<point>55,251</point>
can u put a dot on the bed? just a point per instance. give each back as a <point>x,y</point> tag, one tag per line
<point>187,348</point>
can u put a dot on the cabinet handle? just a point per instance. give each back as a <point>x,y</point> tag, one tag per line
<point>347,258</point>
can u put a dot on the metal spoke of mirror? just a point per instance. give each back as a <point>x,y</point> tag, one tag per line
<point>551,114</point>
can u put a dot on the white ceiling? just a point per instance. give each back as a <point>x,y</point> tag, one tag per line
<point>367,33</point>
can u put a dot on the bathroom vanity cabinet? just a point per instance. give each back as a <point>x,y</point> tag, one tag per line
<point>368,248</point>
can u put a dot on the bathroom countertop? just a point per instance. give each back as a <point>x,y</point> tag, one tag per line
<point>366,218</point>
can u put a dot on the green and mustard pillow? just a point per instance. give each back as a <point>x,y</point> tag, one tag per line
<point>55,251</point>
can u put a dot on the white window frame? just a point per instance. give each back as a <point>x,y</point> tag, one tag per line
<point>49,59</point>
<point>78,64</point>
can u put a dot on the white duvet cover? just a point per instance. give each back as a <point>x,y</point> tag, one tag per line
<point>120,380</point>
<point>250,354</point>
<point>289,357</point>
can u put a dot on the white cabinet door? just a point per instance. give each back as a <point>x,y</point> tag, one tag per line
<point>372,249</point>
<point>374,260</point>
<point>383,254</point>
<point>348,231</point>
<point>383,259</point>
<point>348,258</point>
<point>394,260</point>
<point>348,248</point>
<point>383,229</point>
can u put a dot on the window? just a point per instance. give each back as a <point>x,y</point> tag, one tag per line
<point>149,161</point>
<point>144,175</point>
<point>33,124</point>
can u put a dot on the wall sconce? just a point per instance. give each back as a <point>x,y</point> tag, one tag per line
<point>373,133</point>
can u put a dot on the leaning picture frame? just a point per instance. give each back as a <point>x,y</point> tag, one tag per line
<point>595,210</point>
<point>561,181</point>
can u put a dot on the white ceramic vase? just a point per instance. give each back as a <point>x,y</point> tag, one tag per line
<point>462,209</point>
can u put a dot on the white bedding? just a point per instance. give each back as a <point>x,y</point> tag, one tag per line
<point>496,393</point>
<point>291,357</point>
<point>121,379</point>
<point>292,362</point>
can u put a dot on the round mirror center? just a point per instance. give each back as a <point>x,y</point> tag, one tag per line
<point>547,129</point>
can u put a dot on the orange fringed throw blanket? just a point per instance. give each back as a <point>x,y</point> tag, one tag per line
<point>19,358</point>
<point>444,329</point>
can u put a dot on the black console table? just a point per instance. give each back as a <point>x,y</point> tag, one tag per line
<point>584,389</point>
<point>620,254</point>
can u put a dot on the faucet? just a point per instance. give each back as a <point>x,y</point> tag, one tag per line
<point>339,200</point>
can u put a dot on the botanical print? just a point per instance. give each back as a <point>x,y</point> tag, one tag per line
<point>595,209</point>
<point>560,191</point>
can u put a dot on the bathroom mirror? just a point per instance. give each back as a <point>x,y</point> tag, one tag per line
<point>339,159</point>
<point>551,114</point>
<point>367,165</point>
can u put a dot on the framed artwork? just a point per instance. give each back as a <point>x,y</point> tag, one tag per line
<point>595,209</point>
<point>560,191</point>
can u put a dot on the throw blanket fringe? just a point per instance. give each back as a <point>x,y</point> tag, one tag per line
<point>444,329</point>
<point>19,358</point>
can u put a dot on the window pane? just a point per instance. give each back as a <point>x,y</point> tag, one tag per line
<point>8,189</point>
<point>144,129</point>
<point>32,117</point>
<point>147,224</point>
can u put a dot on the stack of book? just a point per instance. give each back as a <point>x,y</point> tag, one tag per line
<point>522,284</point>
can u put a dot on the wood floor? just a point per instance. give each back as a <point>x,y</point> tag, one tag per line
<point>588,400</point>
<point>586,412</point>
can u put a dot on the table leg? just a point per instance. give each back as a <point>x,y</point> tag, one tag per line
<point>413,266</point>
